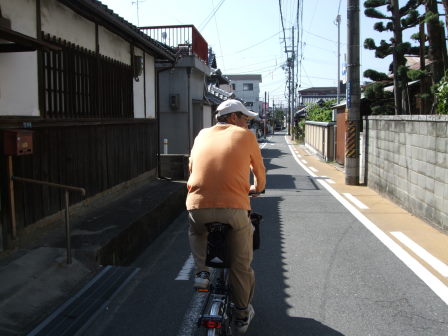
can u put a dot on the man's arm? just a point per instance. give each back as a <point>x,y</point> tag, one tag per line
<point>257,166</point>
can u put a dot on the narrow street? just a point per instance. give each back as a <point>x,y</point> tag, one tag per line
<point>319,271</point>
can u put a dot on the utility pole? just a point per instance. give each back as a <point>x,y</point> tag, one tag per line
<point>293,86</point>
<point>353,96</point>
<point>265,114</point>
<point>338,22</point>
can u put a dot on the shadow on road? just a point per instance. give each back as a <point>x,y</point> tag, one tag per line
<point>274,314</point>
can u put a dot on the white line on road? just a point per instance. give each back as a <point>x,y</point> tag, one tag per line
<point>355,201</point>
<point>189,324</point>
<point>185,272</point>
<point>437,286</point>
<point>422,253</point>
<point>313,169</point>
<point>265,143</point>
<point>329,180</point>
<point>305,161</point>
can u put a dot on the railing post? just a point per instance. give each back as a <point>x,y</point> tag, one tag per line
<point>67,228</point>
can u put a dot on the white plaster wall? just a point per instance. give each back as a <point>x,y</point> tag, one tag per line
<point>18,71</point>
<point>150,74</point>
<point>22,14</point>
<point>207,121</point>
<point>62,22</point>
<point>139,99</point>
<point>18,84</point>
<point>113,46</point>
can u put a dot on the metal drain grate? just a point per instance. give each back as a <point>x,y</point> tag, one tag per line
<point>75,314</point>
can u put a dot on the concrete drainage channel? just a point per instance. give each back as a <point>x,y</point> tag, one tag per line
<point>76,313</point>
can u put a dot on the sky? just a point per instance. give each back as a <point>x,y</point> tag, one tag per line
<point>247,36</point>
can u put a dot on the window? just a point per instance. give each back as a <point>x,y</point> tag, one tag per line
<point>81,84</point>
<point>233,87</point>
<point>248,87</point>
<point>249,104</point>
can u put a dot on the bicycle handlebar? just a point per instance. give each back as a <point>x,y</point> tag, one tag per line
<point>254,194</point>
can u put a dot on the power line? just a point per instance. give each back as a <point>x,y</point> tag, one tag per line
<point>219,39</point>
<point>210,16</point>
<point>258,43</point>
<point>281,19</point>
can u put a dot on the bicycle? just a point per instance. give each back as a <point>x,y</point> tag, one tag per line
<point>216,315</point>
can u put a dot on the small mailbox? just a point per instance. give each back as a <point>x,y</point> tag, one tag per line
<point>17,142</point>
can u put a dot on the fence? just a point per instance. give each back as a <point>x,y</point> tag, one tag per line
<point>185,39</point>
<point>319,137</point>
<point>79,84</point>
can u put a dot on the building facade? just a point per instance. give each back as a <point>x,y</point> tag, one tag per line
<point>246,88</point>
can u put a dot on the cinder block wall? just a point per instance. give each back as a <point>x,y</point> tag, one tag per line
<point>408,162</point>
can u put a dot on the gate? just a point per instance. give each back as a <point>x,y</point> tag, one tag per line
<point>340,137</point>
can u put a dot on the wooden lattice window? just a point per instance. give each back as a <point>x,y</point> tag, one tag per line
<point>79,84</point>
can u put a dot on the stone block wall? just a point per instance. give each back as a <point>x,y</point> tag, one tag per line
<point>408,163</point>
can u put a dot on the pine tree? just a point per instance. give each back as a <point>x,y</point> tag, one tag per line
<point>399,19</point>
<point>436,38</point>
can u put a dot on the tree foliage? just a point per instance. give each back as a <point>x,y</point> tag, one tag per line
<point>441,94</point>
<point>320,111</point>
<point>394,20</point>
<point>381,101</point>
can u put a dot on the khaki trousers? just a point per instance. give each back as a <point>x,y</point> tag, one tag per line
<point>242,277</point>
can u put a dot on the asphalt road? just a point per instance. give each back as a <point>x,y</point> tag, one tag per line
<point>319,272</point>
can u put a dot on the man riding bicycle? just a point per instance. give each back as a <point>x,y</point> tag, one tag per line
<point>220,163</point>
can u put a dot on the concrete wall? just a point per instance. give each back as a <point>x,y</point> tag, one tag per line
<point>174,166</point>
<point>408,162</point>
<point>179,123</point>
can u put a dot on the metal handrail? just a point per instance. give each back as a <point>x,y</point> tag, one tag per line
<point>66,189</point>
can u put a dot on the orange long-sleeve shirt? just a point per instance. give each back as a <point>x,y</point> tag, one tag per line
<point>220,163</point>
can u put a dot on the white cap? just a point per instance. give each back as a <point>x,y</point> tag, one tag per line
<point>233,105</point>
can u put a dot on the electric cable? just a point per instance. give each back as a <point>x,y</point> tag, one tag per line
<point>257,44</point>
<point>210,16</point>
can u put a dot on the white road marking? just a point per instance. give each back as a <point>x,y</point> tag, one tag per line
<point>185,272</point>
<point>437,286</point>
<point>422,253</point>
<point>189,324</point>
<point>329,180</point>
<point>355,201</point>
<point>313,169</point>
<point>305,161</point>
<point>265,143</point>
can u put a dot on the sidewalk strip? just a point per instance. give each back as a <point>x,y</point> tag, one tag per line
<point>355,201</point>
<point>422,253</point>
<point>437,286</point>
<point>185,272</point>
<point>313,169</point>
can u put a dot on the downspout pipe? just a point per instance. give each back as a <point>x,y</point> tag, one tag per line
<point>158,71</point>
<point>190,133</point>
